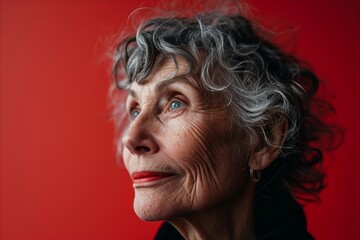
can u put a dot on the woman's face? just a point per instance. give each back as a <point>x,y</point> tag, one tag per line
<point>178,150</point>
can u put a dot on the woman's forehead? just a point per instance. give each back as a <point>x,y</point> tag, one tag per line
<point>170,72</point>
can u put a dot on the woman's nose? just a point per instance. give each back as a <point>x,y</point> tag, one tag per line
<point>139,140</point>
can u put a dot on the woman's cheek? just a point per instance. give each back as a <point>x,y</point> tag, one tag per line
<point>195,157</point>
<point>189,139</point>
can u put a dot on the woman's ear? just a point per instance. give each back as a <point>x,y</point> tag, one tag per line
<point>262,158</point>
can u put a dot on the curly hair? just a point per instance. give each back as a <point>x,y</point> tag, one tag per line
<point>260,84</point>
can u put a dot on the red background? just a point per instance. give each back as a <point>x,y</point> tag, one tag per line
<point>59,177</point>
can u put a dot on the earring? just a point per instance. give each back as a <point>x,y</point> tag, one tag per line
<point>255,175</point>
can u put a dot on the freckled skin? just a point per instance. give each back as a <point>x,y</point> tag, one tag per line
<point>192,141</point>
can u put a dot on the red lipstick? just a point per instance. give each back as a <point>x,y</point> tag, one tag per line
<point>144,177</point>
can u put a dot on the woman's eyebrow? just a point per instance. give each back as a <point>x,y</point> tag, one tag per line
<point>132,93</point>
<point>163,84</point>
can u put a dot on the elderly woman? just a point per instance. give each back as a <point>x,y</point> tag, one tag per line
<point>221,137</point>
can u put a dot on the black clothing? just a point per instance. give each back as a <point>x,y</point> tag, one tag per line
<point>280,218</point>
<point>167,232</point>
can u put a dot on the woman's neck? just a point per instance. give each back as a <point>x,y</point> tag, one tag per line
<point>230,220</point>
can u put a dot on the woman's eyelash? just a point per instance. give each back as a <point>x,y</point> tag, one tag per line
<point>174,103</point>
<point>133,113</point>
<point>171,104</point>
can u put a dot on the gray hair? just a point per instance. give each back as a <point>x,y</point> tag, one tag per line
<point>261,85</point>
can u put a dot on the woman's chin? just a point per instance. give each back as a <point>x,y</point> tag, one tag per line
<point>149,208</point>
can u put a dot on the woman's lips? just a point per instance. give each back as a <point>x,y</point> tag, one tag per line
<point>146,176</point>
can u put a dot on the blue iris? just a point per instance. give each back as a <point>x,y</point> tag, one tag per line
<point>175,105</point>
<point>134,114</point>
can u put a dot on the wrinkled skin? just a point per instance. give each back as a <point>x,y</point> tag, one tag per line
<point>174,129</point>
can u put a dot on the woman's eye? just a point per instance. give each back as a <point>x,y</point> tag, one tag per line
<point>176,104</point>
<point>134,114</point>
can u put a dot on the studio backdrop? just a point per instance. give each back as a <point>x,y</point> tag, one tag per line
<point>59,176</point>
